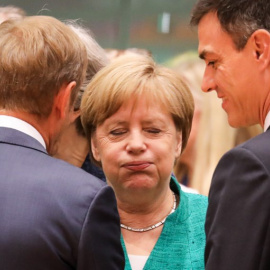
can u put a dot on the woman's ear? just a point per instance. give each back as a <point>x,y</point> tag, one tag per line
<point>178,148</point>
<point>261,45</point>
<point>94,148</point>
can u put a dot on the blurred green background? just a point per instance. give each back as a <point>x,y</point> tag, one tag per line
<point>161,26</point>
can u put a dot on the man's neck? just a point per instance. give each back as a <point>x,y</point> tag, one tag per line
<point>71,146</point>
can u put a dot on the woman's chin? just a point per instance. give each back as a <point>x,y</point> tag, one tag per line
<point>138,183</point>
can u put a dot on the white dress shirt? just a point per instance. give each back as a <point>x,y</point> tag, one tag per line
<point>18,124</point>
<point>137,262</point>
<point>267,121</point>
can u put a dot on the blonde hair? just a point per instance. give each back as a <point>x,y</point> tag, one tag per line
<point>140,77</point>
<point>38,54</point>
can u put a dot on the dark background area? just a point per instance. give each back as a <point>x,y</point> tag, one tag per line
<point>125,24</point>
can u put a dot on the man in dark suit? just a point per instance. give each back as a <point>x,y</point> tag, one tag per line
<point>52,215</point>
<point>234,41</point>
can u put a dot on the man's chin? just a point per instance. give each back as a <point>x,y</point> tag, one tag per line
<point>238,122</point>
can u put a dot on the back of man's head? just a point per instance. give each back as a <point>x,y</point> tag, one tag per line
<point>38,55</point>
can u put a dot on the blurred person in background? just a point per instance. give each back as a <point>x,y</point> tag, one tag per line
<point>137,117</point>
<point>115,53</point>
<point>211,135</point>
<point>11,12</point>
<point>72,146</point>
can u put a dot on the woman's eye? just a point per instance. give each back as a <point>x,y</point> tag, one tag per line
<point>117,132</point>
<point>153,130</point>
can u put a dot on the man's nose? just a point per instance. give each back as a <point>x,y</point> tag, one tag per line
<point>208,81</point>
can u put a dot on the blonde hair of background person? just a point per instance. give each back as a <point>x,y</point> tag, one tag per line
<point>11,12</point>
<point>115,53</point>
<point>211,135</point>
<point>137,116</point>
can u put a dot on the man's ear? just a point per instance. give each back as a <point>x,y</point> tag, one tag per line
<point>94,148</point>
<point>261,44</point>
<point>62,99</point>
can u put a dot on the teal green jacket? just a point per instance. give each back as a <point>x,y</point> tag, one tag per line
<point>182,241</point>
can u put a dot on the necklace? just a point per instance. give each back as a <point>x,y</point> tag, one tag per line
<point>153,226</point>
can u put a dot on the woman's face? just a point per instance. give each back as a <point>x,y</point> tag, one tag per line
<point>137,146</point>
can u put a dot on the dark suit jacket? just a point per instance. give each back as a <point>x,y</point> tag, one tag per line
<point>53,216</point>
<point>238,217</point>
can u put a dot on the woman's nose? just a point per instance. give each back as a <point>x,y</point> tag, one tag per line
<point>136,143</point>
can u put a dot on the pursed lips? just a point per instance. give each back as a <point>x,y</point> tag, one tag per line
<point>137,165</point>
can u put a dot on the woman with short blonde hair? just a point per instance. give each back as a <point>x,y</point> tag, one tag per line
<point>137,116</point>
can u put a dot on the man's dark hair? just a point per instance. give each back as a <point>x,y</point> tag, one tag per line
<point>239,18</point>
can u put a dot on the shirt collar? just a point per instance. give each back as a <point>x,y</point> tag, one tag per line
<point>20,125</point>
<point>267,121</point>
